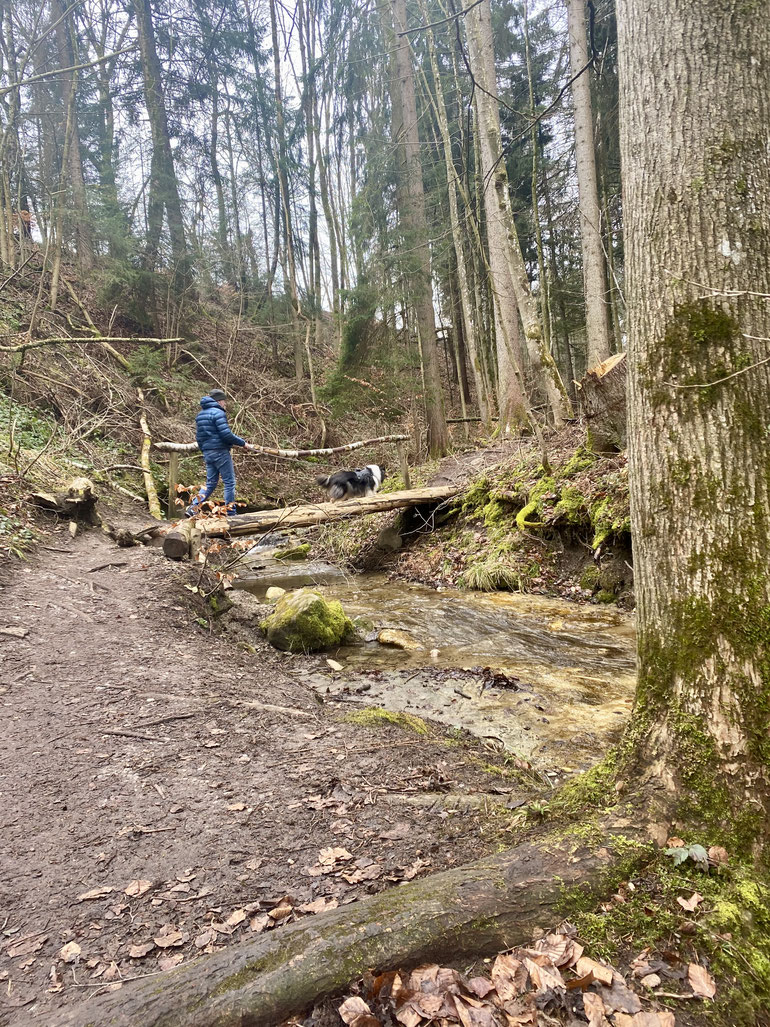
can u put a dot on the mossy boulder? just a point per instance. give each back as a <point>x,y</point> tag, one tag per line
<point>298,552</point>
<point>305,622</point>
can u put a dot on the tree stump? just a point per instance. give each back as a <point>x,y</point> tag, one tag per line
<point>77,503</point>
<point>602,395</point>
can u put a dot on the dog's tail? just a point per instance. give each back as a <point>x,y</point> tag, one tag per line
<point>324,481</point>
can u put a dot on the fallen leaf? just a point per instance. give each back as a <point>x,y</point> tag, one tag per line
<point>355,1012</point>
<point>179,889</point>
<point>509,977</point>
<point>718,855</point>
<point>543,977</point>
<point>236,807</point>
<point>328,857</point>
<point>651,981</point>
<point>701,981</point>
<point>594,1007</point>
<point>69,953</point>
<point>56,984</point>
<point>137,888</point>
<point>691,903</point>
<point>413,870</point>
<point>675,843</point>
<point>94,893</point>
<point>280,912</point>
<point>581,982</point>
<point>660,1019</point>
<point>254,864</point>
<point>236,917</point>
<point>170,961</point>
<point>480,986</point>
<point>319,905</point>
<point>619,998</point>
<point>170,938</point>
<point>602,973</point>
<point>334,665</point>
<point>27,945</point>
<point>205,938</point>
<point>259,923</point>
<point>15,632</point>
<point>366,870</point>
<point>137,951</point>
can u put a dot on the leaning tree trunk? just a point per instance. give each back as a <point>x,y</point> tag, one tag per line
<point>411,198</point>
<point>695,144</point>
<point>594,270</point>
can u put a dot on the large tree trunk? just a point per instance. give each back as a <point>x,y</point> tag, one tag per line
<point>78,219</point>
<point>510,284</point>
<point>594,271</point>
<point>695,143</point>
<point>415,225</point>
<point>464,913</point>
<point>283,186</point>
<point>164,188</point>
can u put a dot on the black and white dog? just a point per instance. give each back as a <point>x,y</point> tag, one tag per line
<point>364,481</point>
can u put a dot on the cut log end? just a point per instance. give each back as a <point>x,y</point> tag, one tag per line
<point>182,541</point>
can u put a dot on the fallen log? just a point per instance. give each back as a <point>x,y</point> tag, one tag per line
<point>285,454</point>
<point>322,513</point>
<point>182,541</point>
<point>463,913</point>
<point>93,340</point>
<point>602,394</point>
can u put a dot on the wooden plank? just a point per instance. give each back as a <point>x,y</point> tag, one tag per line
<point>321,513</point>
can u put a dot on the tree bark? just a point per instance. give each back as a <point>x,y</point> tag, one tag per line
<point>415,224</point>
<point>695,144</point>
<point>465,913</point>
<point>594,271</point>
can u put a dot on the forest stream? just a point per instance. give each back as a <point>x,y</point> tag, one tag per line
<point>545,679</point>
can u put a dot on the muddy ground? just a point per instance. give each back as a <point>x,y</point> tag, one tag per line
<point>153,806</point>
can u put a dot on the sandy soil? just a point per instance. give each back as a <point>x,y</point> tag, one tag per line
<point>138,746</point>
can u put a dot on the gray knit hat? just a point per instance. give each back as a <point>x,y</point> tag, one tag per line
<point>218,395</point>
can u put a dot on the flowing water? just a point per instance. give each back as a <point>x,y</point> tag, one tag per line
<point>549,680</point>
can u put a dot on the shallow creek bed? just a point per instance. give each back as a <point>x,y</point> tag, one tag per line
<point>546,680</point>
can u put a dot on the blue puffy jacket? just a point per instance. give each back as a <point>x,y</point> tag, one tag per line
<point>211,428</point>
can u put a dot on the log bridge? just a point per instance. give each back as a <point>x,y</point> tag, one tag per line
<point>181,538</point>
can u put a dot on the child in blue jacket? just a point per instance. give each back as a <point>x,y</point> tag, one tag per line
<point>215,440</point>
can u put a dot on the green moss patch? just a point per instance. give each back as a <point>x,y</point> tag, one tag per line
<point>376,716</point>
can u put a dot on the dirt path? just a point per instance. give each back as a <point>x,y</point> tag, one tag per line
<point>136,748</point>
